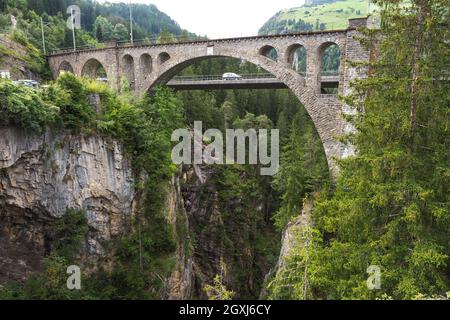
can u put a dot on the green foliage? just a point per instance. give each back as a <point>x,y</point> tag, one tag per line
<point>245,202</point>
<point>62,104</point>
<point>103,29</point>
<point>201,105</point>
<point>147,19</point>
<point>146,255</point>
<point>331,58</point>
<point>303,170</point>
<point>146,129</point>
<point>24,107</point>
<point>165,37</point>
<point>248,201</point>
<point>320,15</point>
<point>69,233</point>
<point>33,58</point>
<point>101,22</point>
<point>120,32</point>
<point>72,97</point>
<point>50,285</point>
<point>250,121</point>
<point>291,280</point>
<point>218,291</point>
<point>390,207</point>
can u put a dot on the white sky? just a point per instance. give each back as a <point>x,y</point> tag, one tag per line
<point>221,18</point>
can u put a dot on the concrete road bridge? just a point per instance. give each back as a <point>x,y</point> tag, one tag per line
<point>244,81</point>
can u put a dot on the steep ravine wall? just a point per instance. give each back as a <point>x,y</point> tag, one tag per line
<point>291,241</point>
<point>222,233</point>
<point>43,175</point>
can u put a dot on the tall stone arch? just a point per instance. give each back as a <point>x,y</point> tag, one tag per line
<point>324,112</point>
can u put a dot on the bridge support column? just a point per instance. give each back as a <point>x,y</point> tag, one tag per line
<point>312,69</point>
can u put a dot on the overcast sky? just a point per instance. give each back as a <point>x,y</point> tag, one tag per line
<point>221,18</point>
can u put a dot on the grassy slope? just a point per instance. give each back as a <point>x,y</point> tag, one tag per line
<point>327,13</point>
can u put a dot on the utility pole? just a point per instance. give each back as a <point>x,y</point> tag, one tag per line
<point>43,36</point>
<point>131,24</point>
<point>73,29</point>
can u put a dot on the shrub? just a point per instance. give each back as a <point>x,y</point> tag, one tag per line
<point>69,233</point>
<point>76,112</point>
<point>24,107</point>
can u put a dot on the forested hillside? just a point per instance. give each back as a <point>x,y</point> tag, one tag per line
<point>100,22</point>
<point>315,15</point>
<point>148,20</point>
<point>390,208</point>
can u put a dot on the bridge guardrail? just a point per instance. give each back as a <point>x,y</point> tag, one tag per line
<point>220,77</point>
<point>127,43</point>
<point>329,73</point>
<point>177,39</point>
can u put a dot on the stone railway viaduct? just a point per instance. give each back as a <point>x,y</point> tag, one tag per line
<point>149,65</point>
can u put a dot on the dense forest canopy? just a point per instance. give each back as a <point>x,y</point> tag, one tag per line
<point>148,19</point>
<point>100,22</point>
<point>390,208</point>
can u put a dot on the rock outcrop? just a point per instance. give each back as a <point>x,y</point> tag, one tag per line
<point>41,176</point>
<point>223,233</point>
<point>293,238</point>
<point>180,283</point>
<point>290,238</point>
<point>11,59</point>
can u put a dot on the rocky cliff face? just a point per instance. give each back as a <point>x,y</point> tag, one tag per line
<point>43,175</point>
<point>293,238</point>
<point>290,235</point>
<point>179,286</point>
<point>223,233</point>
<point>11,59</point>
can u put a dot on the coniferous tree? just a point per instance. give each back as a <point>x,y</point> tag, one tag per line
<point>390,207</point>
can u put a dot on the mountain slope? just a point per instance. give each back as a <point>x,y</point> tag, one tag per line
<point>100,22</point>
<point>148,20</point>
<point>315,15</point>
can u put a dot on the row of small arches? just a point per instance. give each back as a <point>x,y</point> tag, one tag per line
<point>329,57</point>
<point>94,69</point>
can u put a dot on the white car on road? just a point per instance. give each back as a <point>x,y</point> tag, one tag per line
<point>231,76</point>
